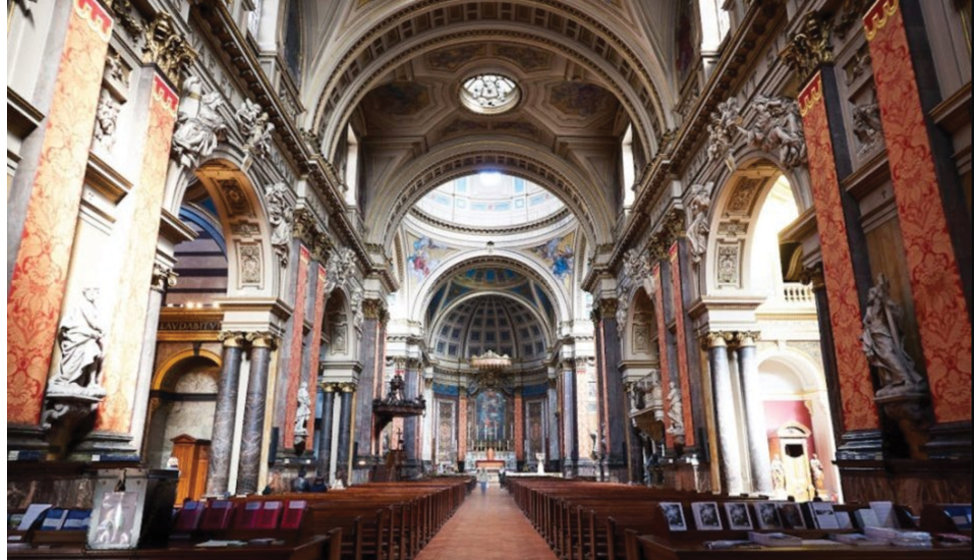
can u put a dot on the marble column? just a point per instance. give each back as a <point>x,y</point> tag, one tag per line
<point>755,418</point>
<point>552,448</point>
<point>328,391</point>
<point>161,280</point>
<point>223,429</point>
<point>411,434</point>
<point>569,420</point>
<point>725,422</point>
<point>250,455</point>
<point>615,405</point>
<point>343,433</point>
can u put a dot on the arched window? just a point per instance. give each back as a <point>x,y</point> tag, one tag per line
<point>350,168</point>
<point>629,169</point>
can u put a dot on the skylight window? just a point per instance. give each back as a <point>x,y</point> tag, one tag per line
<point>489,94</point>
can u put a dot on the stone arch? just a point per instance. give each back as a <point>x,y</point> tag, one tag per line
<point>638,333</point>
<point>549,335</point>
<point>737,198</point>
<point>182,397</point>
<point>253,265</point>
<point>813,391</point>
<point>372,50</point>
<point>338,328</point>
<point>479,257</point>
<point>470,155</point>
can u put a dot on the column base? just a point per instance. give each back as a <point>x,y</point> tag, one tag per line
<point>105,447</point>
<point>950,441</point>
<point>863,445</point>
<point>26,443</point>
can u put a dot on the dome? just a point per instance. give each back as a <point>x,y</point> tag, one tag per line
<point>489,200</point>
<point>490,322</point>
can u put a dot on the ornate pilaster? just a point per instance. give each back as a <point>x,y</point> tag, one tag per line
<point>223,428</point>
<point>755,419</point>
<point>249,458</point>
<point>569,420</point>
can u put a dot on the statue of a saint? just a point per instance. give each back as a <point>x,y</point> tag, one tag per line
<point>883,344</point>
<point>80,339</point>
<point>302,411</point>
<point>697,232</point>
<point>816,470</point>
<point>778,474</point>
<point>674,408</point>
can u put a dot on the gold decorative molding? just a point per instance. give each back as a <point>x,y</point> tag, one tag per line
<point>232,339</point>
<point>166,47</point>
<point>262,339</point>
<point>810,46</point>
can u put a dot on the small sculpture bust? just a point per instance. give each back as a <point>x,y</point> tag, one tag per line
<point>80,339</point>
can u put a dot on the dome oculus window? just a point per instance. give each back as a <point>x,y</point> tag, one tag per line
<point>489,94</point>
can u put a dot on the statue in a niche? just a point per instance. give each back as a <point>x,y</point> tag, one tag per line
<point>674,408</point>
<point>883,343</point>
<point>80,338</point>
<point>302,412</point>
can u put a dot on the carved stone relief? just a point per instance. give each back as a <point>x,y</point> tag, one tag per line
<point>722,132</point>
<point>341,267</point>
<point>250,264</point>
<point>106,114</point>
<point>234,197</point>
<point>280,207</point>
<point>123,10</point>
<point>698,228</point>
<point>245,229</point>
<point>116,70</point>
<point>255,128</point>
<point>866,124</point>
<point>338,333</point>
<point>357,307</point>
<point>727,264</point>
<point>778,129</point>
<point>636,266</point>
<point>199,126</point>
<point>641,333</point>
<point>809,47</point>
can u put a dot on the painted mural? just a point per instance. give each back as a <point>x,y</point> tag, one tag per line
<point>558,253</point>
<point>446,445</point>
<point>424,256</point>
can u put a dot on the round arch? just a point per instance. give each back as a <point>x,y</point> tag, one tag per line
<point>470,155</point>
<point>374,48</point>
<point>480,259</point>
<point>339,327</point>
<point>737,198</point>
<point>168,366</point>
<point>253,265</point>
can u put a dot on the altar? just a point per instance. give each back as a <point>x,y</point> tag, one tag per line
<point>491,461</point>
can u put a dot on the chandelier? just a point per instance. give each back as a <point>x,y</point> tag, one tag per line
<point>490,361</point>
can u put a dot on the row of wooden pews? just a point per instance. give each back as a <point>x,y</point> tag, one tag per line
<point>587,520</point>
<point>375,521</point>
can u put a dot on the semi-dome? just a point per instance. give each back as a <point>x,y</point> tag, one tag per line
<point>490,322</point>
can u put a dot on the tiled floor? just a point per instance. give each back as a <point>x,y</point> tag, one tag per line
<point>487,527</point>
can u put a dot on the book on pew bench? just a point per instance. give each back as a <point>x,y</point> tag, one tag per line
<point>293,516</point>
<point>189,516</point>
<point>774,539</point>
<point>248,515</point>
<point>726,544</point>
<point>54,518</point>
<point>821,515</point>
<point>33,515</point>
<point>268,516</point>
<point>843,520</point>
<point>900,537</point>
<point>866,518</point>
<point>77,520</point>
<point>215,543</point>
<point>857,539</point>
<point>885,512</point>
<point>217,515</point>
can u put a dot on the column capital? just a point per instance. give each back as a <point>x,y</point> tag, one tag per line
<point>262,339</point>
<point>810,46</point>
<point>813,274</point>
<point>712,339</point>
<point>329,387</point>
<point>232,339</point>
<point>746,338</point>
<point>347,387</point>
<point>163,277</point>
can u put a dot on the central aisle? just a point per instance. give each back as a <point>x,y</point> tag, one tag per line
<point>487,527</point>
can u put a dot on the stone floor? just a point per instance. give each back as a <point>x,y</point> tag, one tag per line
<point>489,527</point>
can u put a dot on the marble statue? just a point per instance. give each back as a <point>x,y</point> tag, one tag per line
<point>778,474</point>
<point>697,231</point>
<point>882,342</point>
<point>778,129</point>
<point>302,412</point>
<point>199,125</point>
<point>722,131</point>
<point>674,408</point>
<point>816,470</point>
<point>80,338</point>
<point>280,218</point>
<point>255,128</point>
